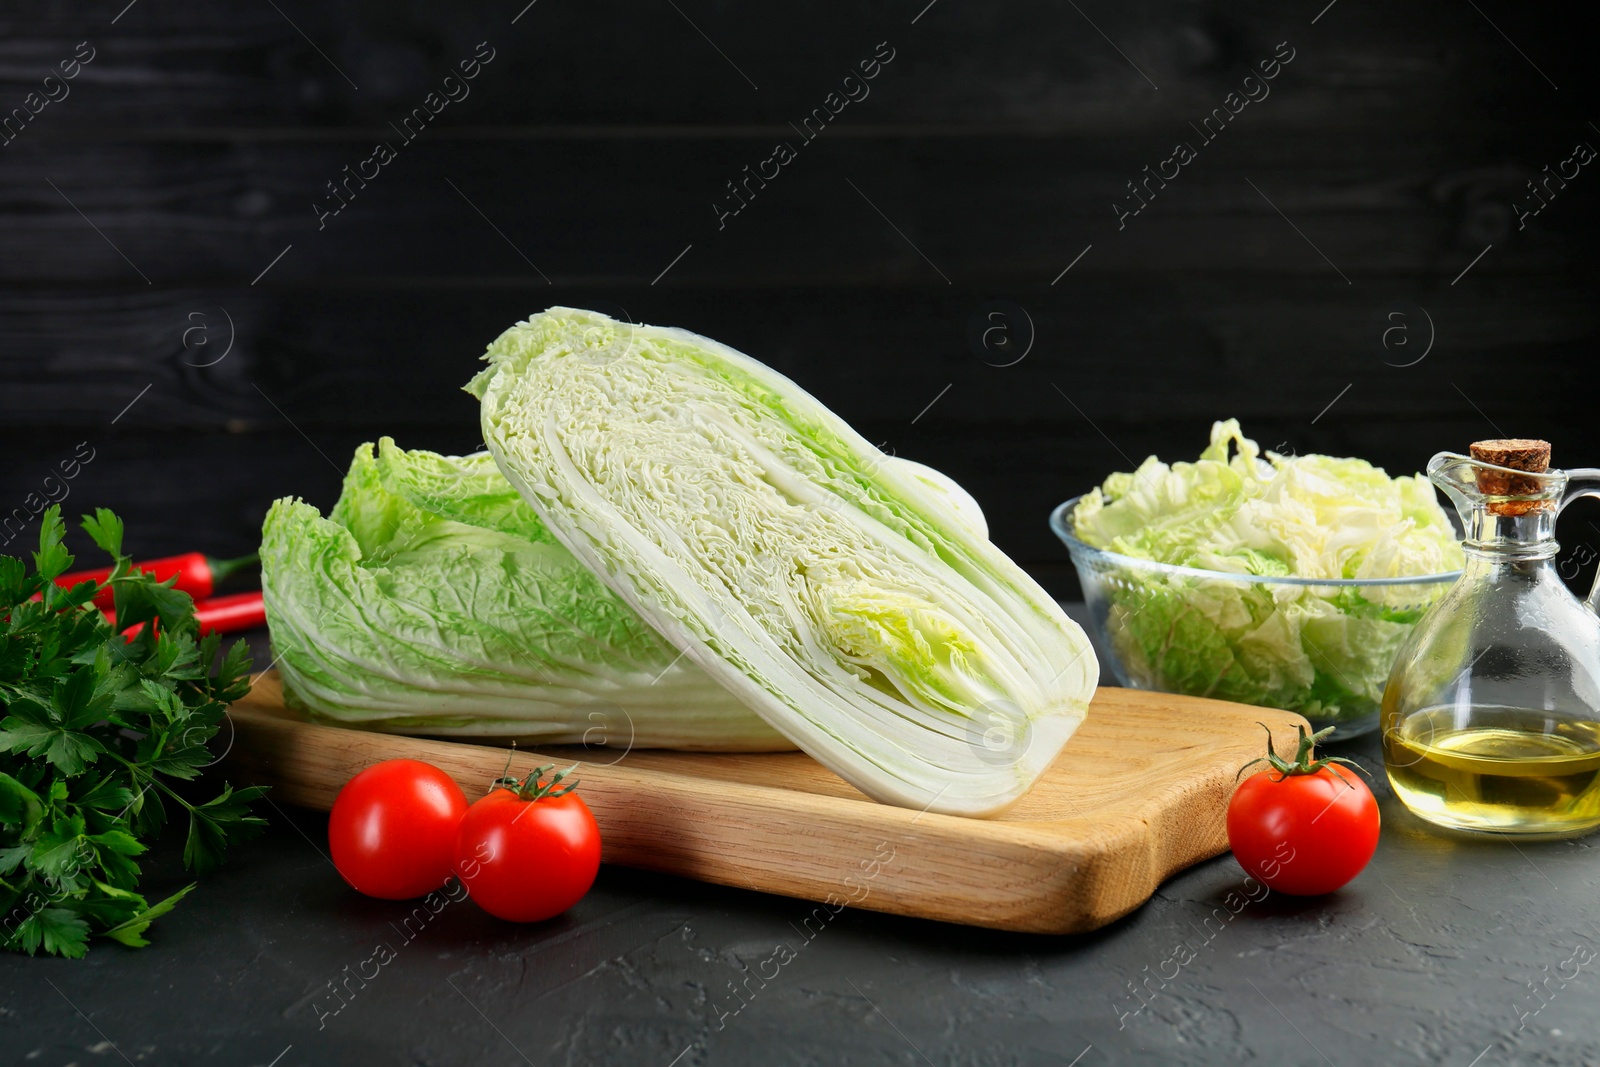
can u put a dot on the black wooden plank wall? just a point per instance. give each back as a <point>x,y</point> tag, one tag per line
<point>239,239</point>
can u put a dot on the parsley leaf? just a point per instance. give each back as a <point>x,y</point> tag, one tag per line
<point>131,930</point>
<point>213,823</point>
<point>60,930</point>
<point>97,733</point>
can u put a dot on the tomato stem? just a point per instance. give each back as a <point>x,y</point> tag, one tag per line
<point>531,788</point>
<point>506,771</point>
<point>1303,763</point>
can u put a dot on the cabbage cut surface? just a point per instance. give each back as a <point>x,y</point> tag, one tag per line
<point>837,594</point>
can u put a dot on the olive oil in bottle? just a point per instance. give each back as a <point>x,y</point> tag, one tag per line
<point>1491,717</point>
<point>1497,769</point>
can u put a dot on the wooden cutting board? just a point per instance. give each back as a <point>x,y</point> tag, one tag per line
<point>1138,794</point>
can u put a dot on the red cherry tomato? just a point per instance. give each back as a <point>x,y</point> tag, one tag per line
<point>528,852</point>
<point>392,831</point>
<point>1303,828</point>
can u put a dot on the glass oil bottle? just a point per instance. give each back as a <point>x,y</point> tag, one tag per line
<point>1491,716</point>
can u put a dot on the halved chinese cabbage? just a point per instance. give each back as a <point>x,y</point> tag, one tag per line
<point>836,593</point>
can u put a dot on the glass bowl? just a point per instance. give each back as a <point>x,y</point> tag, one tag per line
<point>1322,647</point>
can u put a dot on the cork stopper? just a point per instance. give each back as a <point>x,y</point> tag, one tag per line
<point>1518,453</point>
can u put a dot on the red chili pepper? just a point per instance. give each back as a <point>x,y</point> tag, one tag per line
<point>197,574</point>
<point>219,615</point>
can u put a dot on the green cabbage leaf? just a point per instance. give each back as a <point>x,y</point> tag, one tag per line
<point>433,600</point>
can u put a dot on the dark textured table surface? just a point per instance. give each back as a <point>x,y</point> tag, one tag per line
<point>1444,951</point>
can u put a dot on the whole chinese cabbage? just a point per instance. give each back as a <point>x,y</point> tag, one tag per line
<point>1322,650</point>
<point>433,600</point>
<point>837,594</point>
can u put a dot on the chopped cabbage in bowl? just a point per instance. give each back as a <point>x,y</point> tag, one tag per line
<point>1285,581</point>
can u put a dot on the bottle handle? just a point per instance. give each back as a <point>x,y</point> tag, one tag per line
<point>1584,482</point>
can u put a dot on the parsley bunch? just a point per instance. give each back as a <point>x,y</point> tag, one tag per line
<point>95,730</point>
